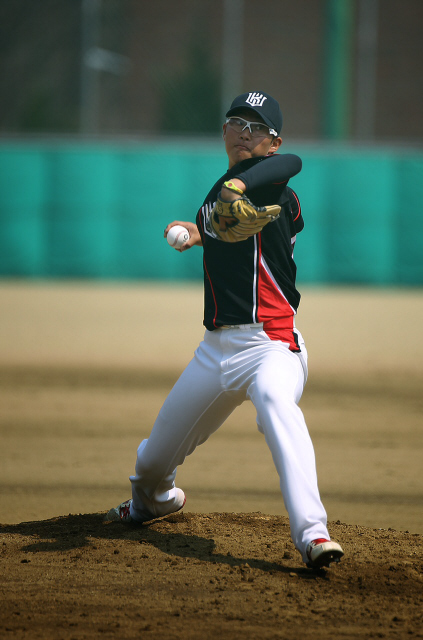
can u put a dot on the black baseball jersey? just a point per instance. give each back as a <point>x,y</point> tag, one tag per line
<point>253,280</point>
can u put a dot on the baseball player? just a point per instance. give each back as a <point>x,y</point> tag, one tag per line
<point>251,349</point>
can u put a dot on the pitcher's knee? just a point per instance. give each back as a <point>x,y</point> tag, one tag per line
<point>275,410</point>
<point>275,398</point>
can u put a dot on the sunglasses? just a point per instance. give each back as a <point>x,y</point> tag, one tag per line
<point>257,129</point>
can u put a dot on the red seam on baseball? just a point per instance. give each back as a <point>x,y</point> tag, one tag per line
<point>177,237</point>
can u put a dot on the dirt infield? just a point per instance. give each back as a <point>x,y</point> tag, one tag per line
<point>83,372</point>
<point>204,576</point>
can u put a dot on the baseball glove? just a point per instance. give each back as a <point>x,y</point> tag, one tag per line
<point>240,219</point>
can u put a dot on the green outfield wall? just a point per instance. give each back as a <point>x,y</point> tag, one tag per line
<point>98,210</point>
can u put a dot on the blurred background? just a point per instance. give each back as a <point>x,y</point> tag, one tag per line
<point>111,111</point>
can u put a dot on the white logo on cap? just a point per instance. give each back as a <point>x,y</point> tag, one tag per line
<point>256,99</point>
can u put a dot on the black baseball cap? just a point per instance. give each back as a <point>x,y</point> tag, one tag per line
<point>263,104</point>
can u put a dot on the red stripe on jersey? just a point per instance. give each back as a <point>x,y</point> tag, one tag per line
<point>274,310</point>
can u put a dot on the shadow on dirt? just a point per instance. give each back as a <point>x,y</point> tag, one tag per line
<point>72,532</point>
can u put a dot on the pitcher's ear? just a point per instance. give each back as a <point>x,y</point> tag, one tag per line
<point>276,143</point>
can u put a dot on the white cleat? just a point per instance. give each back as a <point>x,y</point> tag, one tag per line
<point>322,552</point>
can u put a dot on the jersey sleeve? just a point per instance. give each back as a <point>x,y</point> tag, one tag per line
<point>296,210</point>
<point>274,169</point>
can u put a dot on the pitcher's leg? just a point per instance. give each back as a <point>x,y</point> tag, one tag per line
<point>166,498</point>
<point>193,410</point>
<point>275,392</point>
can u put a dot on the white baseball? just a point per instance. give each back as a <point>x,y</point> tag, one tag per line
<point>177,236</point>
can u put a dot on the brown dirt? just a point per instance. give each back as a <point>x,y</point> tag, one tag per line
<point>72,413</point>
<point>203,576</point>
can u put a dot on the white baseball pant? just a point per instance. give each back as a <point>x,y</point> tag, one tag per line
<point>230,366</point>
